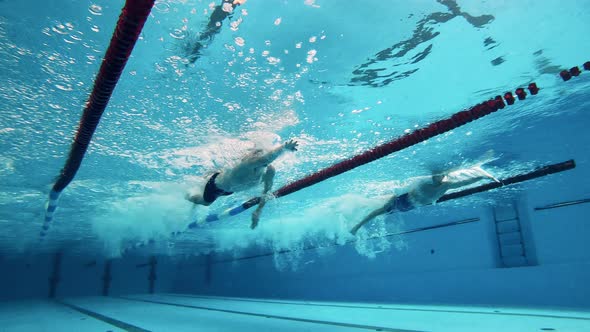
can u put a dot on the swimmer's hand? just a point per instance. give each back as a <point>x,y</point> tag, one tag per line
<point>291,145</point>
<point>488,175</point>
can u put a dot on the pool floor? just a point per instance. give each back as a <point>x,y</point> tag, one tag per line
<point>184,312</point>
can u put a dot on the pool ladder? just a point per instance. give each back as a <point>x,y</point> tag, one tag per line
<point>511,244</point>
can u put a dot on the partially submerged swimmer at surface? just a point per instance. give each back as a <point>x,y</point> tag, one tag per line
<point>219,14</point>
<point>427,191</point>
<point>254,168</point>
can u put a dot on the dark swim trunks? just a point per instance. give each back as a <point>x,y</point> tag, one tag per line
<point>401,203</point>
<point>212,192</point>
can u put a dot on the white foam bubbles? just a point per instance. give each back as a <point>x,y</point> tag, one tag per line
<point>155,212</point>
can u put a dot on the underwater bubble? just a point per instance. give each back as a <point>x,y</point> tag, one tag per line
<point>76,37</point>
<point>240,41</point>
<point>273,61</point>
<point>278,21</point>
<point>311,3</point>
<point>60,28</point>
<point>64,87</point>
<point>162,7</point>
<point>95,10</point>
<point>178,34</point>
<point>311,56</point>
<point>235,24</point>
<point>227,7</point>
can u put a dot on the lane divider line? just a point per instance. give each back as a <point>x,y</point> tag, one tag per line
<point>304,320</point>
<point>109,320</point>
<point>376,307</point>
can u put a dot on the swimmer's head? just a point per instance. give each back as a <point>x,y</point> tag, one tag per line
<point>438,178</point>
<point>253,153</point>
<point>256,152</point>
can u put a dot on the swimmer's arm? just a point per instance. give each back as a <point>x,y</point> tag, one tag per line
<point>268,181</point>
<point>458,184</point>
<point>477,174</point>
<point>269,157</point>
<point>369,217</point>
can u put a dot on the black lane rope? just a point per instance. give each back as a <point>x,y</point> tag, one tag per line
<point>133,16</point>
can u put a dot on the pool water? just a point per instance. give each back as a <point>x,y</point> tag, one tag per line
<point>208,82</point>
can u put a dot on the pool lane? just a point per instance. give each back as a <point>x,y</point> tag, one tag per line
<point>154,315</point>
<point>50,316</point>
<point>390,317</point>
<point>109,320</point>
<point>492,310</point>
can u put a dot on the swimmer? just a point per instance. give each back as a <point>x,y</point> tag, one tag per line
<point>219,14</point>
<point>254,168</point>
<point>427,191</point>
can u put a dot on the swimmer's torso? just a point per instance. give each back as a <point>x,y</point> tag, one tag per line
<point>427,193</point>
<point>240,178</point>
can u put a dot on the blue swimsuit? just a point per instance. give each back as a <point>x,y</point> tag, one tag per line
<point>401,203</point>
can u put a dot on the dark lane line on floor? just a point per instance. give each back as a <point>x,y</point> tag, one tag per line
<point>109,320</point>
<point>377,307</point>
<point>305,320</point>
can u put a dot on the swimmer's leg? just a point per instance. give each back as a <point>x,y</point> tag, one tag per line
<point>268,181</point>
<point>375,213</point>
